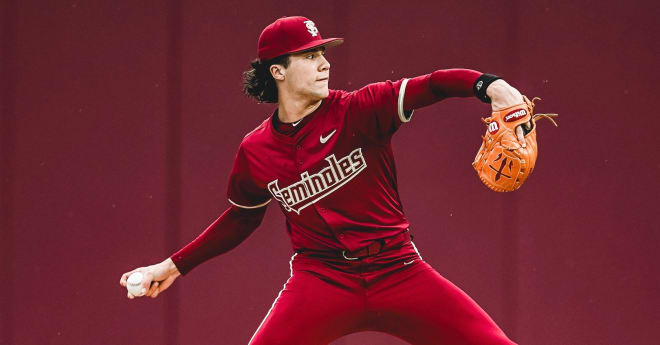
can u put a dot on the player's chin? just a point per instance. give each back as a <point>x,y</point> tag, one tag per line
<point>323,93</point>
<point>317,92</point>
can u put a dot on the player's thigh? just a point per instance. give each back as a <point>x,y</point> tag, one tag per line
<point>311,309</point>
<point>421,306</point>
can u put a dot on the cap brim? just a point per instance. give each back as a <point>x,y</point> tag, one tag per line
<point>328,42</point>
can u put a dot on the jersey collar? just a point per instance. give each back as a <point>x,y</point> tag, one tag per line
<point>302,133</point>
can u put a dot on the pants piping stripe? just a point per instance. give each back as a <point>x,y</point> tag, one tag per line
<point>275,301</point>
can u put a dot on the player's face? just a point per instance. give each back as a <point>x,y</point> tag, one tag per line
<point>308,74</point>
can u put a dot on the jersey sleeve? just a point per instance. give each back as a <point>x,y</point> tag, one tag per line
<point>224,234</point>
<point>242,189</point>
<point>377,109</point>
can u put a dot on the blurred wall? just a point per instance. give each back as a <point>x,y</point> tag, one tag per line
<point>120,121</point>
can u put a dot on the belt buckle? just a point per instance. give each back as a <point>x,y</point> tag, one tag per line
<point>343,253</point>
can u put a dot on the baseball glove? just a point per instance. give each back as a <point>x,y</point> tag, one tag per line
<point>502,163</point>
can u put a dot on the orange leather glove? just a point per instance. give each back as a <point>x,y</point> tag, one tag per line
<point>502,163</point>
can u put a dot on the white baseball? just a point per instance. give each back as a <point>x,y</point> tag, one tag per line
<point>134,284</point>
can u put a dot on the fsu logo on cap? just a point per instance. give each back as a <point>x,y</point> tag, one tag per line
<point>311,27</point>
<point>289,35</point>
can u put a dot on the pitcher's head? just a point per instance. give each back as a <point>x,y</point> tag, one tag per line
<point>290,56</point>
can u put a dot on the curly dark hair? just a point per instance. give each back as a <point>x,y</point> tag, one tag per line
<point>258,83</point>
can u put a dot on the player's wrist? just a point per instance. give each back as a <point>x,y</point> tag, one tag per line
<point>482,84</point>
<point>503,95</point>
<point>169,267</point>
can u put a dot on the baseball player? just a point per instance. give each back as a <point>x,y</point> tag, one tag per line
<point>325,157</point>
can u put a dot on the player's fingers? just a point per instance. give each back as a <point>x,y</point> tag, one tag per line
<point>129,295</point>
<point>124,277</point>
<point>521,137</point>
<point>147,278</point>
<point>152,289</point>
<point>163,286</point>
<point>166,283</point>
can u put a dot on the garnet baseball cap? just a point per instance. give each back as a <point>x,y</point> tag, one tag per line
<point>290,35</point>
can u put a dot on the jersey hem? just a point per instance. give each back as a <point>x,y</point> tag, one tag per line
<point>249,207</point>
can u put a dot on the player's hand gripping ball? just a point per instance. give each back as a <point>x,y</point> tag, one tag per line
<point>502,163</point>
<point>134,284</point>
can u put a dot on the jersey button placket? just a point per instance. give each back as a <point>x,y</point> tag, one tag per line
<point>296,156</point>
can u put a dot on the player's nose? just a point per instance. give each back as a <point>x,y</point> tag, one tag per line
<point>325,64</point>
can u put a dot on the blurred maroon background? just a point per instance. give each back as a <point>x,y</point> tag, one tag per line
<point>120,121</point>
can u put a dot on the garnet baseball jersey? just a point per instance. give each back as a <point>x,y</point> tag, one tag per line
<point>335,179</point>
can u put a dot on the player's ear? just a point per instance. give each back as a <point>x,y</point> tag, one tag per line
<point>277,71</point>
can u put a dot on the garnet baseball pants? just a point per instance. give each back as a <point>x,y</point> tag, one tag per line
<point>394,292</point>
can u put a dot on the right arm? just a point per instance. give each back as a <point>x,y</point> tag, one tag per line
<point>224,234</point>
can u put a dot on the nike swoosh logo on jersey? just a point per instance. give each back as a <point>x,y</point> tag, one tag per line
<point>324,140</point>
<point>406,263</point>
<point>296,123</point>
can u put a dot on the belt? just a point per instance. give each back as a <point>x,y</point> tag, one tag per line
<point>377,246</point>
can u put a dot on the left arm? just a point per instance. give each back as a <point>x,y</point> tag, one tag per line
<point>378,109</point>
<point>428,89</point>
<point>434,87</point>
